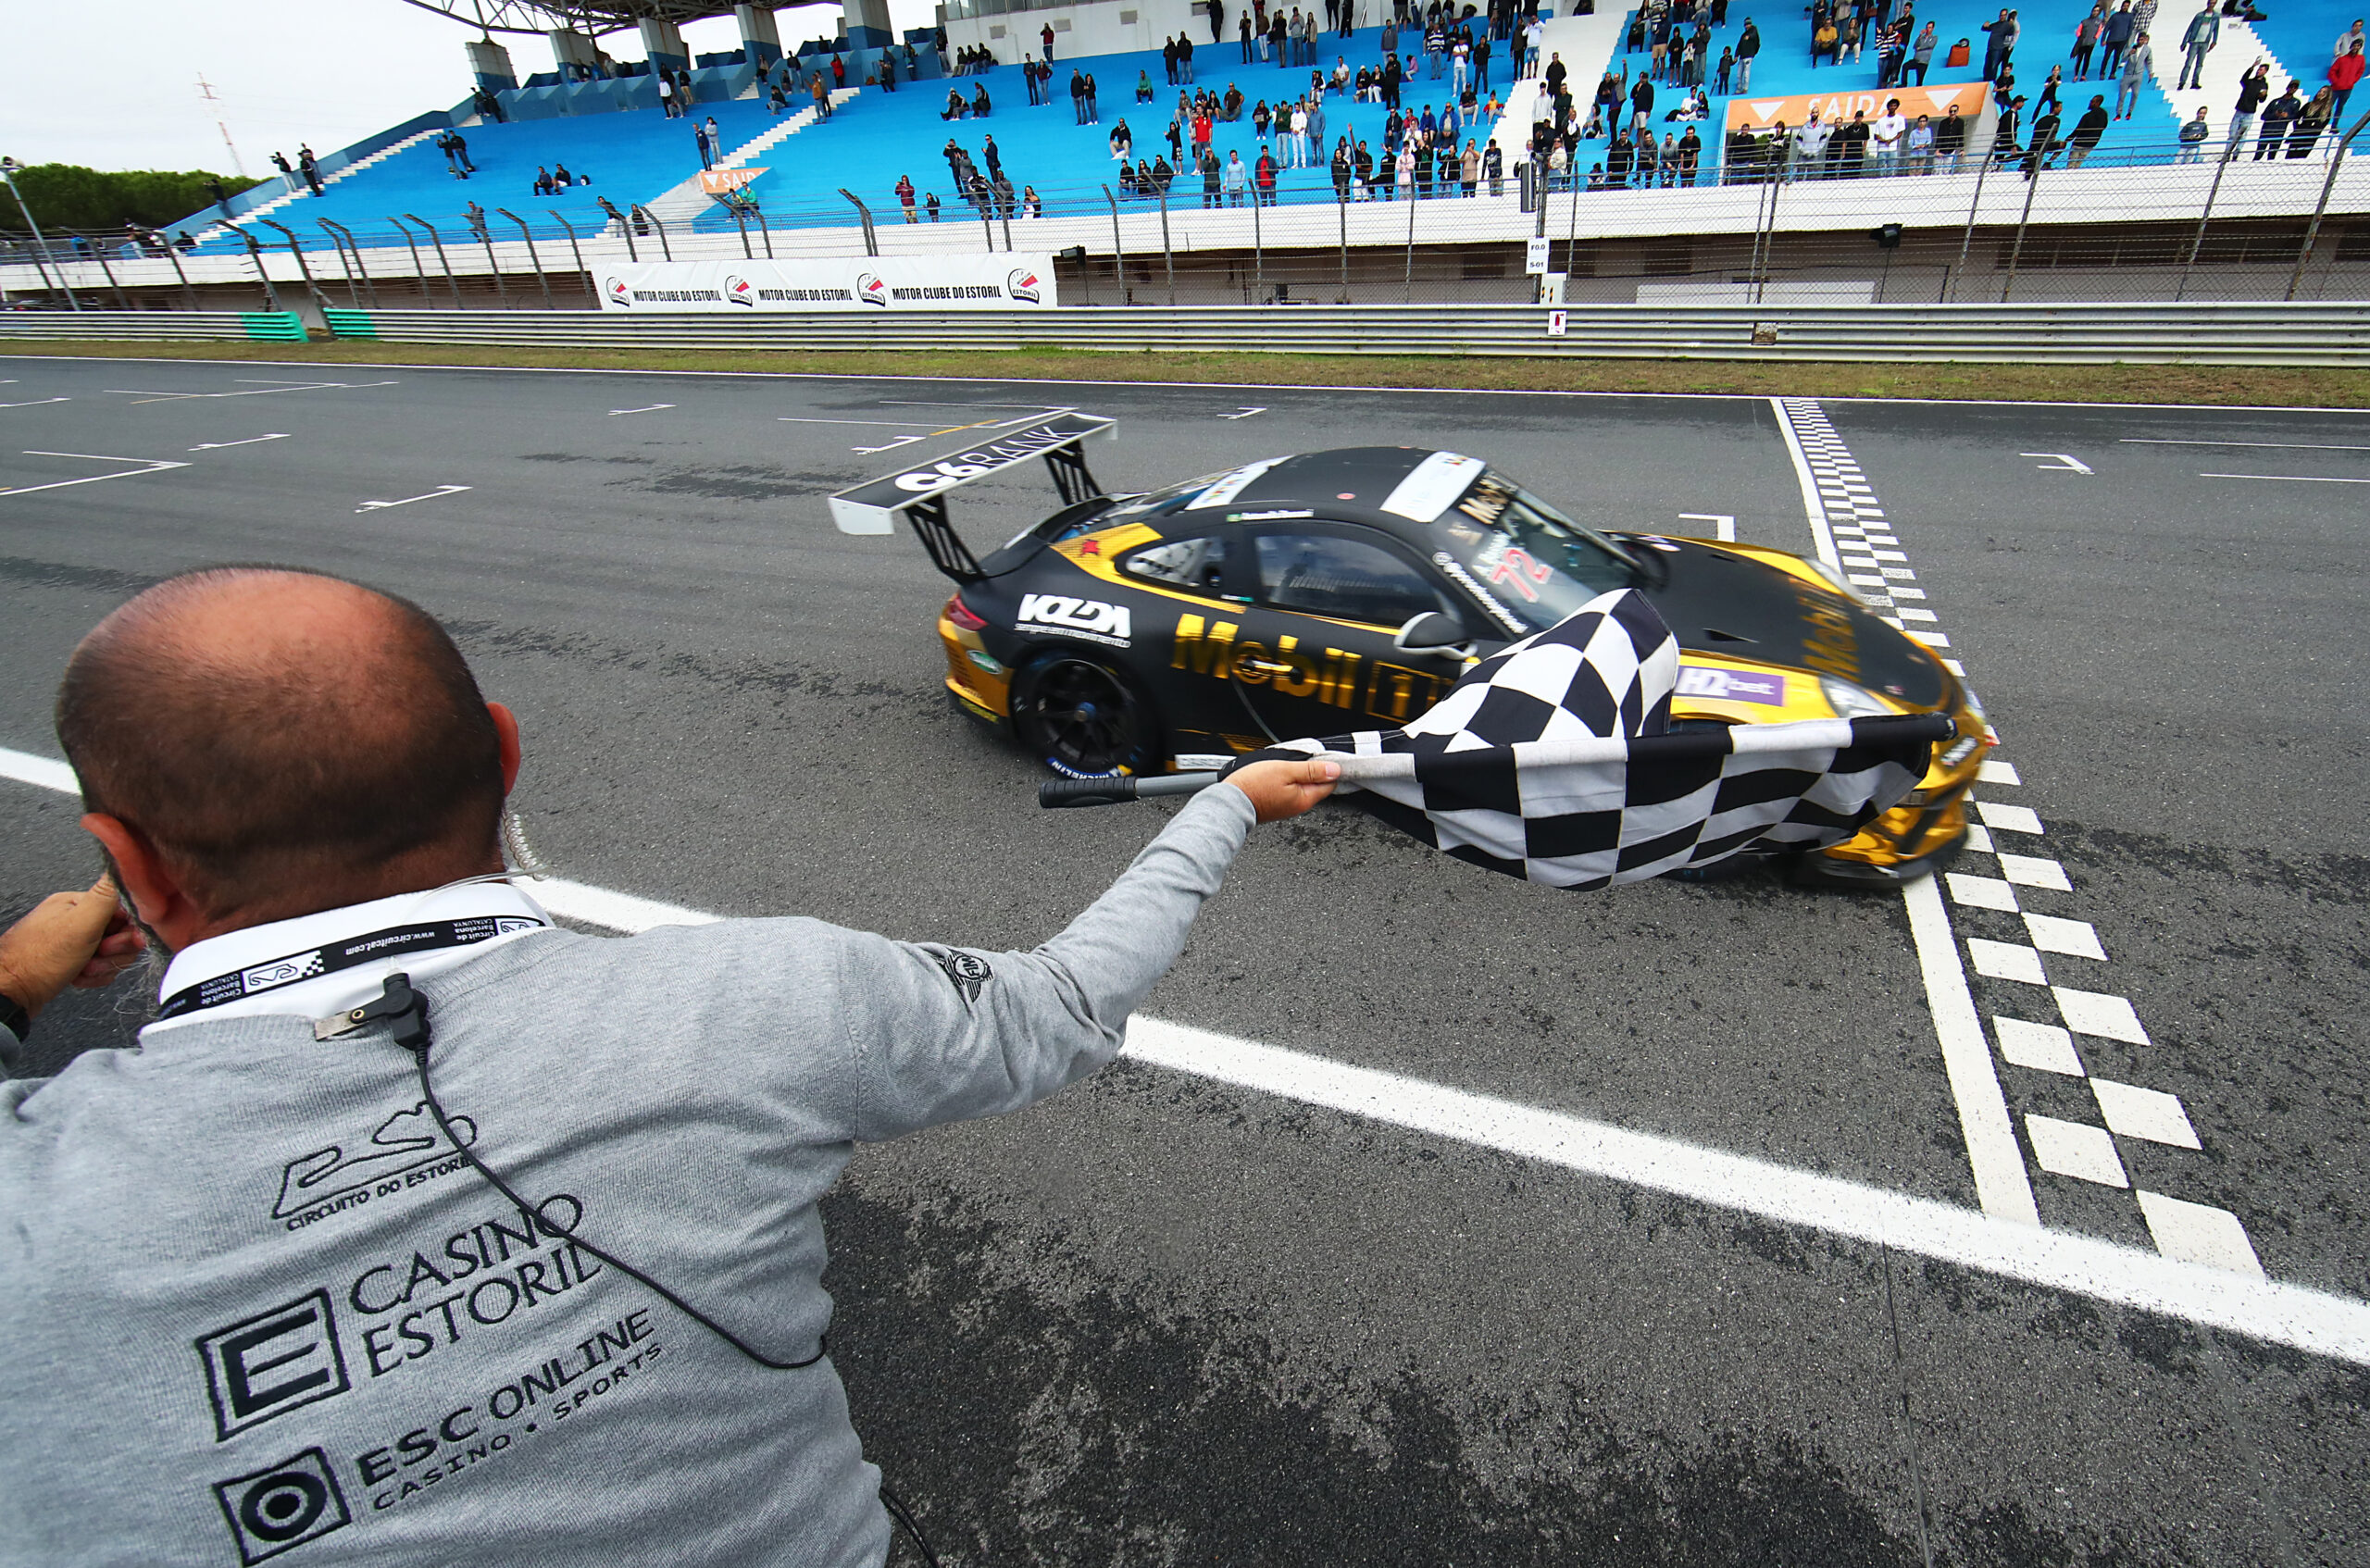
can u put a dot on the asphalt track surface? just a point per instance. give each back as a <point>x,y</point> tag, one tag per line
<point>1165,1318</point>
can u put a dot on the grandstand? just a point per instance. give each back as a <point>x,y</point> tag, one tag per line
<point>2129,205</point>
<point>610,129</point>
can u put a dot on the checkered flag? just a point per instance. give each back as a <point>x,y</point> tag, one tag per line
<point>1553,760</point>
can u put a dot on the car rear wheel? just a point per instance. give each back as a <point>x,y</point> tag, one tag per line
<point>1083,718</point>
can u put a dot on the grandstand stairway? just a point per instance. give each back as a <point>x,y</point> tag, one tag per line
<point>687,203</point>
<point>2240,50</point>
<point>359,166</point>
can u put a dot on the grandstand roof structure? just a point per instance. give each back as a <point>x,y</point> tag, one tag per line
<point>595,17</point>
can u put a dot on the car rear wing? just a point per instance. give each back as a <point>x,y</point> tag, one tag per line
<point>919,492</point>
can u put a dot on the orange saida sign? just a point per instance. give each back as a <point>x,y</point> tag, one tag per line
<point>1760,114</point>
<point>716,182</point>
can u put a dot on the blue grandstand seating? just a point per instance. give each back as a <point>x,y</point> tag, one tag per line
<point>902,134</point>
<point>634,154</point>
<point>1784,67</point>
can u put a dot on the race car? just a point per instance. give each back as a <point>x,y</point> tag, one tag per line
<point>1346,590</point>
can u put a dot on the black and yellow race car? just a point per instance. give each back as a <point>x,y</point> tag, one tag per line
<point>1347,589</point>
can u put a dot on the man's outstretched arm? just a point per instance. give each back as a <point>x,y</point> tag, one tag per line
<point>942,1034</point>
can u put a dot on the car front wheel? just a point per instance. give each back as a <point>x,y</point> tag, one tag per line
<point>1083,718</point>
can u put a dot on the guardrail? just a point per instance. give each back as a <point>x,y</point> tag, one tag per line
<point>2142,334</point>
<point>96,326</point>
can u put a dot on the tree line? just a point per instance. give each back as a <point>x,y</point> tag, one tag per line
<point>65,195</point>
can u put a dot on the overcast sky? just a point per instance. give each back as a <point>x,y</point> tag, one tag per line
<point>114,85</point>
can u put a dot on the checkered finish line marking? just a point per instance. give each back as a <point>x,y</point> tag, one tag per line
<point>2018,884</point>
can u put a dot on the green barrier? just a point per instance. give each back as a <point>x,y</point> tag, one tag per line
<point>274,326</point>
<point>351,324</point>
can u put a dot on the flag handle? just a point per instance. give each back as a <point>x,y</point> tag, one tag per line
<point>1056,793</point>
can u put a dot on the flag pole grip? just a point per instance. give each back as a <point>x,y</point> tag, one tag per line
<point>1056,793</point>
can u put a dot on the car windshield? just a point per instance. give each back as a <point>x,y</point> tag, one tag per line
<point>1529,560</point>
<point>1155,504</point>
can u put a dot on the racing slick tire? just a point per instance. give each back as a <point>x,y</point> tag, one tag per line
<point>1082,718</point>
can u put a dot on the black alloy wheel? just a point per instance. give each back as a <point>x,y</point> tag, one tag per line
<point>1083,718</point>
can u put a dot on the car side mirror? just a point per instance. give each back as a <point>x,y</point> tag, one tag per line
<point>1434,632</point>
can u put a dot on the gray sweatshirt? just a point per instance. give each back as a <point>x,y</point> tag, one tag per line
<point>258,1305</point>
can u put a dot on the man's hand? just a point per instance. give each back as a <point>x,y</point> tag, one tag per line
<point>70,938</point>
<point>1279,790</point>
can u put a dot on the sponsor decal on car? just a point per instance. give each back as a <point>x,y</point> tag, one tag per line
<point>1091,618</point>
<point>1732,685</point>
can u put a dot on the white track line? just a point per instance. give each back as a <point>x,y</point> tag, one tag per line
<point>152,466</point>
<point>2281,445</point>
<point>2285,478</point>
<point>2001,1184</point>
<point>2293,1315</point>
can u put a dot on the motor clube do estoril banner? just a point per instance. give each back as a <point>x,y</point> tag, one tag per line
<point>866,283</point>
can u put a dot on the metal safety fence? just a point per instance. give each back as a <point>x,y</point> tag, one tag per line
<point>186,326</point>
<point>2217,333</point>
<point>1944,231</point>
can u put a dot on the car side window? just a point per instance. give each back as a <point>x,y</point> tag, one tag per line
<point>1198,565</point>
<point>1344,578</point>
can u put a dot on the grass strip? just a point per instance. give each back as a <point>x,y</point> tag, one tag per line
<point>2176,385</point>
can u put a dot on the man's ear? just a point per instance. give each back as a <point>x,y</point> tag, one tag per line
<point>505,727</point>
<point>148,884</point>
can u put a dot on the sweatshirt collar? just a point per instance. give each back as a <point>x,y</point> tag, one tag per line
<point>263,969</point>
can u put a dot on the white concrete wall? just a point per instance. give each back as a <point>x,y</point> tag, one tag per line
<point>1098,28</point>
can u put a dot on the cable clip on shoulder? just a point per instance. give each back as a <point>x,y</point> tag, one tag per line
<point>397,1002</point>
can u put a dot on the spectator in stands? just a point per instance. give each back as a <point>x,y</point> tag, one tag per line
<point>2048,103</point>
<point>2253,88</point>
<point>2121,24</point>
<point>184,243</point>
<point>2308,125</point>
<point>475,215</point>
<point>542,182</point>
<point>1094,115</point>
<point>822,95</point>
<point>1237,178</point>
<point>2003,134</point>
<point>2204,32</point>
<point>1144,87</point>
<point>1886,135</point>
<point>2277,115</point>
<point>2138,68</point>
<point>2085,41</point>
<point>1949,141</point>
<point>929,206</point>
<point>1185,57</point>
<point>2002,33</point>
<point>905,197</point>
<point>2045,143</point>
<point>1045,36</point>
<point>2087,131</point>
<point>1921,56</point>
<point>1243,27</point>
<point>2192,136</point>
<point>956,107</point>
<point>489,105</point>
<point>310,168</point>
<point>889,72</point>
<point>707,147</point>
<point>2345,73</point>
<point>1077,94</point>
<point>979,105</point>
<point>667,107</point>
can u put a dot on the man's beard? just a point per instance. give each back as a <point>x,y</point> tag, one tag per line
<point>146,976</point>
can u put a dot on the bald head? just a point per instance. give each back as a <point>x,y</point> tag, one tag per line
<point>284,741</point>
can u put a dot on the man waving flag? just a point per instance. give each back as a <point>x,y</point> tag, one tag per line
<point>1554,761</point>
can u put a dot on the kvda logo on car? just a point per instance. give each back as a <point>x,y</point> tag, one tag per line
<point>1089,619</point>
